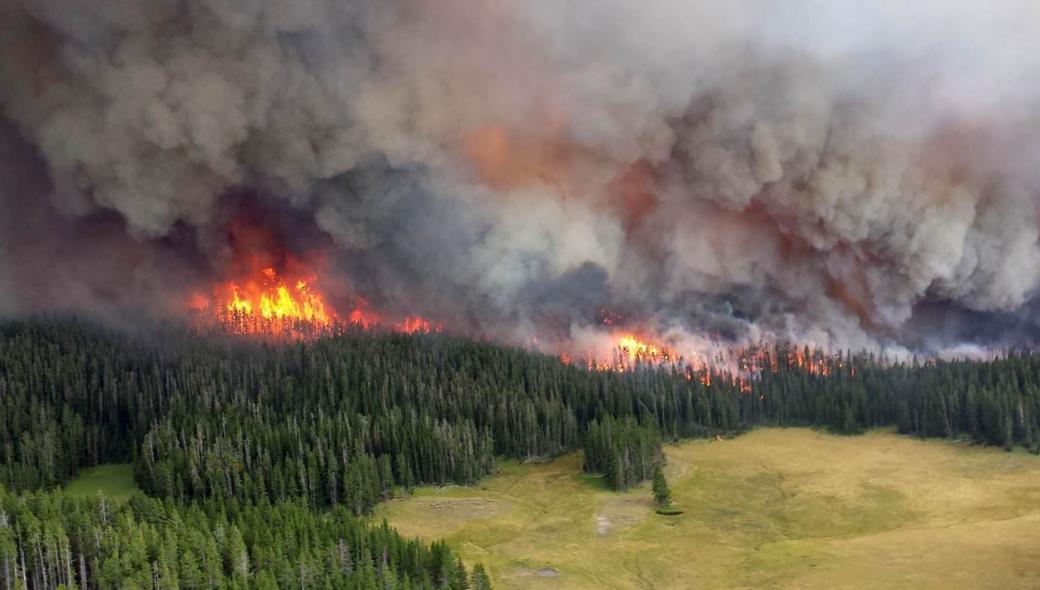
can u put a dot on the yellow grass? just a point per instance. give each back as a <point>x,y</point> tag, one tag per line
<point>776,508</point>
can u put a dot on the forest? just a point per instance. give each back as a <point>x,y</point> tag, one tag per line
<point>48,540</point>
<point>227,433</point>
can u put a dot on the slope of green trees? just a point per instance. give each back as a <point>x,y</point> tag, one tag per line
<point>338,420</point>
<point>995,402</point>
<point>341,422</point>
<point>347,419</point>
<point>48,540</point>
<point>73,395</point>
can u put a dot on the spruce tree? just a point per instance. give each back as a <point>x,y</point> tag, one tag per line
<point>662,495</point>
<point>479,580</point>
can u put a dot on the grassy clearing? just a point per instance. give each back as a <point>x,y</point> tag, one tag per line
<point>776,508</point>
<point>115,481</point>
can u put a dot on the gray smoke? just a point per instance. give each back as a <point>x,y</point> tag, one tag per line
<point>828,171</point>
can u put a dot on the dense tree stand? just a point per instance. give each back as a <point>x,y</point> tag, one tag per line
<point>228,434</point>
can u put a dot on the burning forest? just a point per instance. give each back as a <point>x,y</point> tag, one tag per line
<point>266,265</point>
<point>668,182</point>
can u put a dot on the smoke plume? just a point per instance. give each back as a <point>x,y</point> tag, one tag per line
<point>851,174</point>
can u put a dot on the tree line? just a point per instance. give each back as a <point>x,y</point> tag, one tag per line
<point>49,541</point>
<point>349,418</point>
<point>345,419</point>
<point>625,451</point>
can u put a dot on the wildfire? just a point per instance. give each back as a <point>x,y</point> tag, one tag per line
<point>360,316</point>
<point>279,301</point>
<point>626,351</point>
<point>366,319</point>
<point>639,350</point>
<point>267,303</point>
<point>732,367</point>
<point>416,324</point>
<point>270,304</point>
<point>269,284</point>
<point>814,364</point>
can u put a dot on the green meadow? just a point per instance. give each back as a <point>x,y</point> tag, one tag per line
<point>115,481</point>
<point>775,508</point>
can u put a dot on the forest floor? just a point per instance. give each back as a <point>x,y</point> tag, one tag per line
<point>116,481</point>
<point>775,508</point>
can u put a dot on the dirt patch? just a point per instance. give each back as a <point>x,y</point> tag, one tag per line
<point>548,572</point>
<point>542,572</point>
<point>621,512</point>
<point>473,504</point>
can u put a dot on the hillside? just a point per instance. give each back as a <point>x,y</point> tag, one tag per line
<point>217,425</point>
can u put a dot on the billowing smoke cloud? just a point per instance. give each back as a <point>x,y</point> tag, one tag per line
<point>848,173</point>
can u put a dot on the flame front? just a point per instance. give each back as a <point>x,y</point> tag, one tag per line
<point>637,349</point>
<point>417,324</point>
<point>267,303</point>
<point>270,304</point>
<point>626,351</point>
<point>273,299</point>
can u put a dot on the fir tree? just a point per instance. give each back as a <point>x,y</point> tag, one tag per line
<point>479,580</point>
<point>662,495</point>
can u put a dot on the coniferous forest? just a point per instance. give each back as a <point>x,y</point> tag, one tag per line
<point>258,458</point>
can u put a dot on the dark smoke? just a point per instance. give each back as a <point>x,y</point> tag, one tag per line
<point>830,172</point>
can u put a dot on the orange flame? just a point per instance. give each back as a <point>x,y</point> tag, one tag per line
<point>364,318</point>
<point>416,324</point>
<point>267,303</point>
<point>628,351</point>
<point>640,350</point>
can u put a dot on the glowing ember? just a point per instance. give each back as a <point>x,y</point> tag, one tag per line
<point>364,318</point>
<point>198,303</point>
<point>416,324</point>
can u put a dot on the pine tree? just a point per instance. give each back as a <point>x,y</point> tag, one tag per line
<point>662,495</point>
<point>479,580</point>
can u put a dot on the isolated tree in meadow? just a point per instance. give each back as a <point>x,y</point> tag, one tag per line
<point>662,495</point>
<point>479,579</point>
